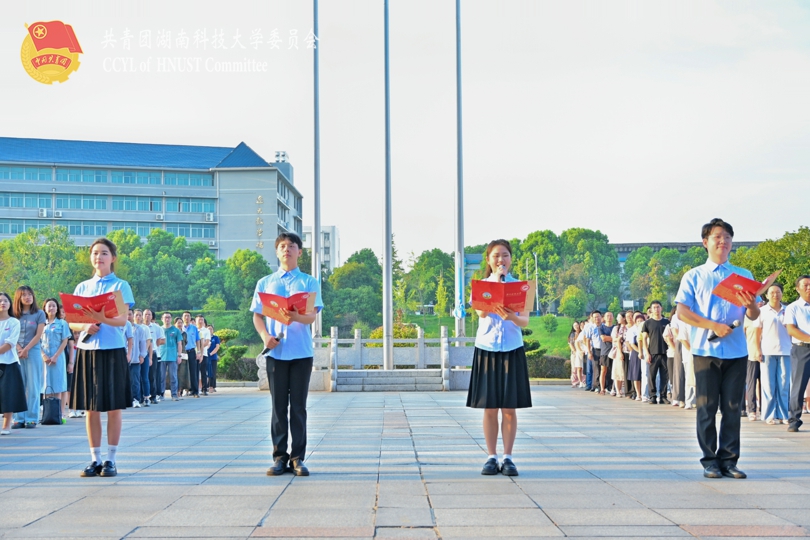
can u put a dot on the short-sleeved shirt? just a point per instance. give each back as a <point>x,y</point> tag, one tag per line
<point>168,351</point>
<point>695,293</point>
<point>214,342</point>
<point>139,343</point>
<point>10,334</point>
<point>594,335</point>
<point>655,333</point>
<point>192,335</point>
<point>107,337</point>
<point>775,338</point>
<point>205,333</point>
<point>605,330</point>
<point>157,333</point>
<point>297,340</point>
<point>129,333</point>
<point>53,335</point>
<point>496,334</point>
<point>798,314</point>
<point>29,323</point>
<point>751,340</point>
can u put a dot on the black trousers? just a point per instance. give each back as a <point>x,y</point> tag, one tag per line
<point>204,374</point>
<point>289,387</point>
<point>751,378</point>
<point>799,375</point>
<point>212,373</point>
<point>154,376</point>
<point>719,382</point>
<point>193,372</point>
<point>595,368</point>
<point>658,364</point>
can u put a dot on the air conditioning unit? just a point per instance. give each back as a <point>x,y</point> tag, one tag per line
<point>209,216</point>
<point>158,217</point>
<point>57,214</point>
<point>43,212</point>
<point>212,243</point>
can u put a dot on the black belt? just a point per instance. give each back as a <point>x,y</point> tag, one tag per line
<point>807,345</point>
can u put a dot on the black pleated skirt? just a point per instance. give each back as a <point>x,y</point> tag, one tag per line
<point>499,380</point>
<point>101,381</point>
<point>634,367</point>
<point>12,389</point>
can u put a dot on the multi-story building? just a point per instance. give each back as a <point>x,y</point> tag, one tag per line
<point>229,198</point>
<point>330,245</point>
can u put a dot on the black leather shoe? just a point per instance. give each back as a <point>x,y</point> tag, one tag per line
<point>792,428</point>
<point>279,467</point>
<point>663,401</point>
<point>109,469</point>
<point>18,425</point>
<point>734,472</point>
<point>298,468</point>
<point>508,468</point>
<point>94,469</point>
<point>490,467</point>
<point>153,401</point>
<point>712,471</point>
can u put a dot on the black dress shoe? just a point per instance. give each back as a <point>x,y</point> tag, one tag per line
<point>792,428</point>
<point>298,468</point>
<point>94,469</point>
<point>712,471</point>
<point>734,472</point>
<point>490,467</point>
<point>279,467</point>
<point>663,401</point>
<point>508,468</point>
<point>109,469</point>
<point>18,425</point>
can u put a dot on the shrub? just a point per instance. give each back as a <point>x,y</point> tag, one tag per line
<point>526,331</point>
<point>549,323</point>
<point>531,345</point>
<point>401,331</point>
<point>214,303</point>
<point>226,334</point>
<point>233,365</point>
<point>548,367</point>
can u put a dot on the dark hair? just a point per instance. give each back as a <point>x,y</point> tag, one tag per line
<point>716,222</point>
<point>18,305</point>
<point>177,320</point>
<point>58,306</point>
<point>490,247</point>
<point>653,303</point>
<point>800,278</point>
<point>595,312</point>
<point>11,304</point>
<point>203,318</point>
<point>211,325</point>
<point>292,237</point>
<point>110,245</point>
<point>777,284</point>
<point>169,313</point>
<point>189,313</point>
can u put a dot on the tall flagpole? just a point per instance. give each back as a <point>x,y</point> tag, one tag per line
<point>459,311</point>
<point>388,288</point>
<point>317,329</point>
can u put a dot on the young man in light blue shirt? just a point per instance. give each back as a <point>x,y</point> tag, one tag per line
<point>193,351</point>
<point>289,356</point>
<point>797,323</point>
<point>720,364</point>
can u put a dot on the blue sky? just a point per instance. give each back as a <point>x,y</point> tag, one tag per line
<point>641,119</point>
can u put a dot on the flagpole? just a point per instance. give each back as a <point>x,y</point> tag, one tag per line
<point>317,329</point>
<point>388,289</point>
<point>459,311</point>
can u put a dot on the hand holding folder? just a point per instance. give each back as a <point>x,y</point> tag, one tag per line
<point>277,307</point>
<point>735,283</point>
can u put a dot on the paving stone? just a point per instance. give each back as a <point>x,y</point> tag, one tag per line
<point>612,531</point>
<point>738,531</point>
<point>598,516</point>
<point>501,532</point>
<point>404,517</point>
<point>192,532</point>
<point>464,517</point>
<point>726,516</point>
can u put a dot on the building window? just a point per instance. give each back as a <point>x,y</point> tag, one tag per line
<point>45,201</point>
<point>123,177</point>
<point>94,202</point>
<point>143,204</point>
<point>68,175</point>
<point>156,204</point>
<point>122,225</point>
<point>68,202</point>
<point>297,204</point>
<point>172,204</point>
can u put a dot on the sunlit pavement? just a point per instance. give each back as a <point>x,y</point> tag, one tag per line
<point>403,465</point>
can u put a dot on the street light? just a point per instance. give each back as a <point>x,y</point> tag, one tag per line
<point>536,288</point>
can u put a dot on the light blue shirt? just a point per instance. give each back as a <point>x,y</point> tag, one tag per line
<point>594,333</point>
<point>496,334</point>
<point>696,294</point>
<point>129,333</point>
<point>798,313</point>
<point>53,335</point>
<point>192,336</point>
<point>297,340</point>
<point>139,343</point>
<point>107,337</point>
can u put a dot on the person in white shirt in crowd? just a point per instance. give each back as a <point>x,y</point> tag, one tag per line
<point>690,392</point>
<point>753,337</point>
<point>158,339</point>
<point>205,341</point>
<point>136,353</point>
<point>677,374</point>
<point>145,386</point>
<point>775,366</point>
<point>797,322</point>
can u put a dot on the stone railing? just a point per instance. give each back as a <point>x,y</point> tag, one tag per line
<point>452,355</point>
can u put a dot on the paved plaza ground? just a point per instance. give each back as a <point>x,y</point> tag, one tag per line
<point>403,465</point>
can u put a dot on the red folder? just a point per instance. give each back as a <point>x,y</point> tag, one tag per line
<point>272,304</point>
<point>112,303</point>
<point>516,295</point>
<point>729,287</point>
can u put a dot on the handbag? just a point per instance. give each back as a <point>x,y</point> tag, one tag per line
<point>51,410</point>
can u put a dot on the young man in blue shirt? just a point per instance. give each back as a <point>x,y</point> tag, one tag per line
<point>720,364</point>
<point>289,356</point>
<point>192,348</point>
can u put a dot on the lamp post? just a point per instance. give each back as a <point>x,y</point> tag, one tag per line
<point>536,288</point>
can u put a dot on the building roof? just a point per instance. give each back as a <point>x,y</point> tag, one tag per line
<point>115,154</point>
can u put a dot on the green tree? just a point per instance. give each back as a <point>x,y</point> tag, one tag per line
<point>600,278</point>
<point>574,301</point>
<point>442,299</point>
<point>549,323</point>
<point>637,273</point>
<point>214,303</point>
<point>242,270</point>
<point>206,280</point>
<point>615,306</point>
<point>664,270</point>
<point>353,275</point>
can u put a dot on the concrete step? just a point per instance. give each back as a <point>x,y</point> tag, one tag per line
<point>389,380</point>
<point>374,373</point>
<point>390,388</point>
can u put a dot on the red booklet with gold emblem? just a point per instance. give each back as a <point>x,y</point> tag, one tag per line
<point>516,295</point>
<point>112,303</point>
<point>729,287</point>
<point>272,304</point>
